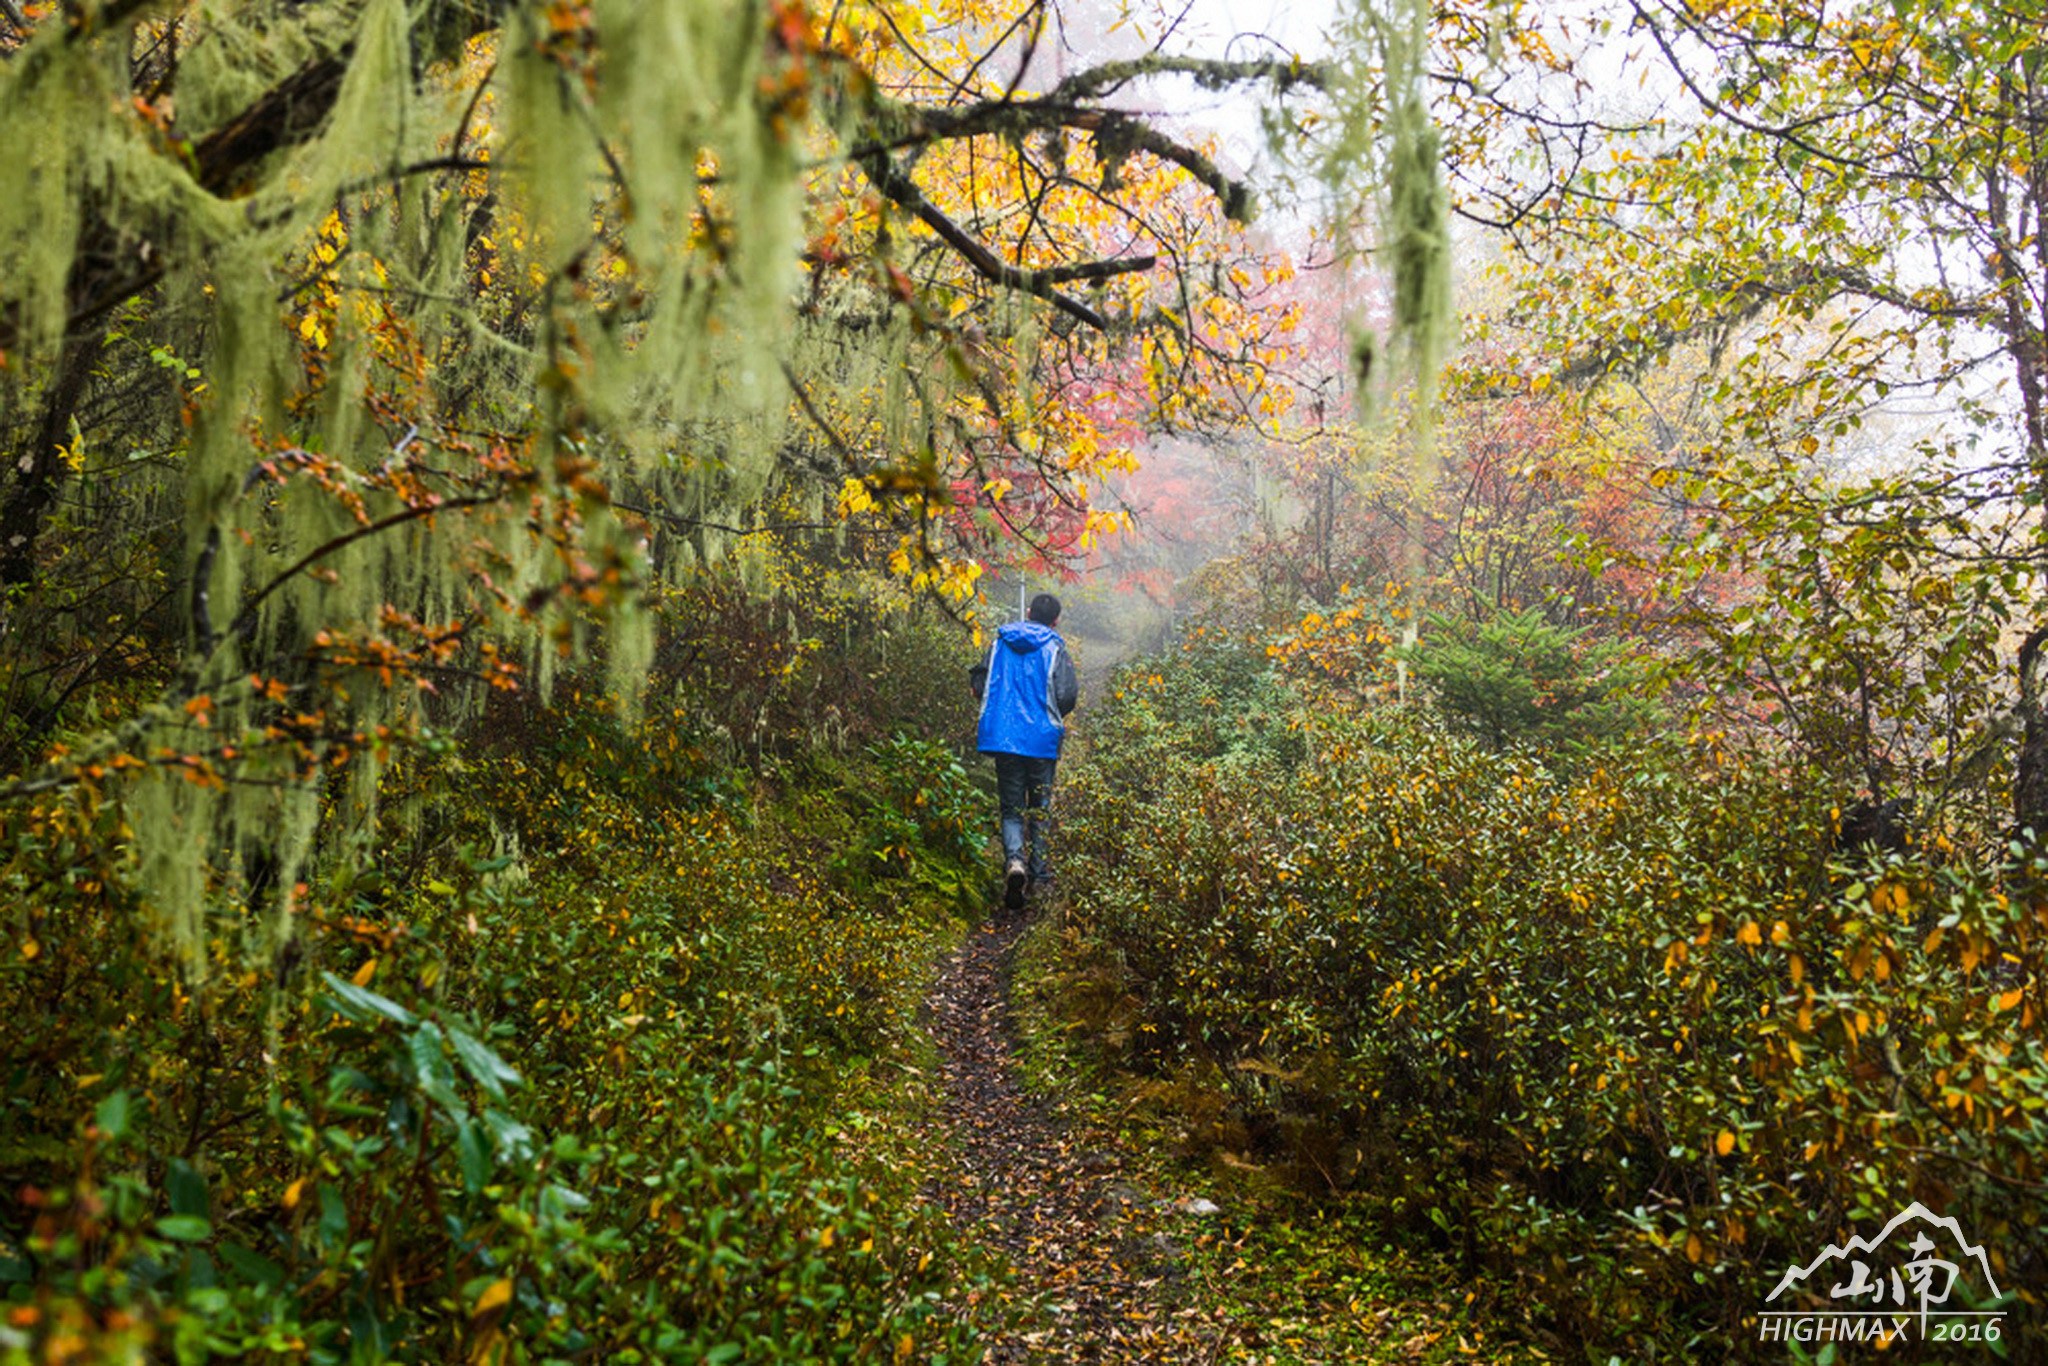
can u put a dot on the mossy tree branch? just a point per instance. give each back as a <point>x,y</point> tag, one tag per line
<point>886,176</point>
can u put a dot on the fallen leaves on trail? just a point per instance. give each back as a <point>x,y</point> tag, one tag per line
<point>1104,1270</point>
<point>1096,1258</point>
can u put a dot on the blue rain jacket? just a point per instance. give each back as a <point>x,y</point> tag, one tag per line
<point>1029,688</point>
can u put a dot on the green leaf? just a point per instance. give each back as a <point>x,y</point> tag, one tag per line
<point>473,1152</point>
<point>186,1188</point>
<point>482,1062</point>
<point>333,1215</point>
<point>557,1200</point>
<point>367,1329</point>
<point>514,1140</point>
<point>436,1079</point>
<point>111,1116</point>
<point>362,1005</point>
<point>252,1265</point>
<point>185,1228</point>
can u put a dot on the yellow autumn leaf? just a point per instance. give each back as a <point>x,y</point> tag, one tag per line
<point>1725,1143</point>
<point>294,1192</point>
<point>364,973</point>
<point>854,496</point>
<point>496,1295</point>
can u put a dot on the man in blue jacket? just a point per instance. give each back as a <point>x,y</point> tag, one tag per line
<point>1026,686</point>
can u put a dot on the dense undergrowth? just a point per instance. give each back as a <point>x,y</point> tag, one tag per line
<point>1297,1281</point>
<point>591,1061</point>
<point>1625,1031</point>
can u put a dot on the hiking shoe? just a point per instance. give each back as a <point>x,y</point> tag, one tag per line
<point>1013,885</point>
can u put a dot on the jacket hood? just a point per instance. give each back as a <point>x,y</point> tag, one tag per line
<point>1026,636</point>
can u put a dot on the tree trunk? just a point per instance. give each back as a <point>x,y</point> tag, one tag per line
<point>39,471</point>
<point>2024,324</point>
<point>2030,778</point>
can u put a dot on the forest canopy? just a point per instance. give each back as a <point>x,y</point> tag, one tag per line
<point>399,352</point>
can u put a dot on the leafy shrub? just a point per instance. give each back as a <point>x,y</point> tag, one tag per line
<point>1626,1035</point>
<point>922,818</point>
<point>827,660</point>
<point>566,1077</point>
<point>1516,677</point>
<point>1217,698</point>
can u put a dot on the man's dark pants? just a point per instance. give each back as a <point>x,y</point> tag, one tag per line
<point>1024,792</point>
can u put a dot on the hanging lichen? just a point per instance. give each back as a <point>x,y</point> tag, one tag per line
<point>1388,147</point>
<point>436,282</point>
<point>1389,142</point>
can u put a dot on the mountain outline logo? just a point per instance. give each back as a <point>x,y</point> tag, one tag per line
<point>1881,1289</point>
<point>1798,1275</point>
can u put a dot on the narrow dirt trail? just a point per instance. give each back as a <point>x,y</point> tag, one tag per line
<point>1096,1258</point>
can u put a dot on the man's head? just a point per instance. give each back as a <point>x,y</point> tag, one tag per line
<point>1045,610</point>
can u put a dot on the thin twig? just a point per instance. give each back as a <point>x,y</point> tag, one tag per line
<point>247,616</point>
